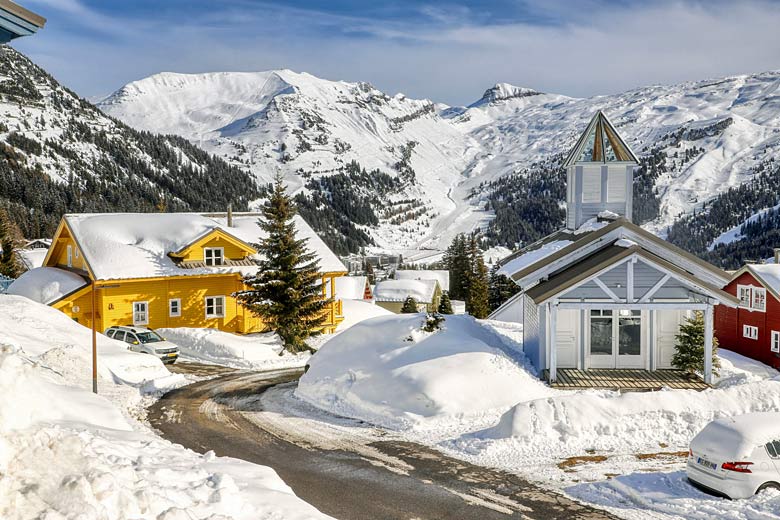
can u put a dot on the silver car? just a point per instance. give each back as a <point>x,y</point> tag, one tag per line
<point>145,341</point>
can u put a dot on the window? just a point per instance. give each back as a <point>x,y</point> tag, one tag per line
<point>110,333</point>
<point>744,295</point>
<point>214,255</point>
<point>215,306</point>
<point>591,186</point>
<point>750,331</point>
<point>140,313</point>
<point>174,307</point>
<point>616,186</point>
<point>759,298</point>
<point>775,341</point>
<point>70,255</point>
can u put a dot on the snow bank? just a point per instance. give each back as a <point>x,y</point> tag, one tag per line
<point>388,371</point>
<point>261,351</point>
<point>67,453</point>
<point>398,290</point>
<point>356,311</point>
<point>46,284</point>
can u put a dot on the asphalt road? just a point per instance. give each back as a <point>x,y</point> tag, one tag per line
<point>343,483</point>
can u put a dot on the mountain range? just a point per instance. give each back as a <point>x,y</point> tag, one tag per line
<point>386,172</point>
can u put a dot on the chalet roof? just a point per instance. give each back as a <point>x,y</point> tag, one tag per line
<point>137,245</point>
<point>600,143</point>
<point>16,21</point>
<point>422,291</point>
<point>47,285</point>
<point>525,272</point>
<point>441,275</point>
<point>767,274</point>
<point>351,287</point>
<point>603,258</point>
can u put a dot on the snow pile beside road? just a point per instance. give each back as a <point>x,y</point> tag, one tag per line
<point>387,371</point>
<point>356,311</point>
<point>260,351</point>
<point>67,453</point>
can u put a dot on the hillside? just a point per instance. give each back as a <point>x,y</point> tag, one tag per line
<point>58,153</point>
<point>432,170</point>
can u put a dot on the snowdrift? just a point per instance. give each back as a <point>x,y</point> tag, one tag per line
<point>386,370</point>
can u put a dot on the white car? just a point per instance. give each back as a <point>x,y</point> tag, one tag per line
<point>737,457</point>
<point>145,341</point>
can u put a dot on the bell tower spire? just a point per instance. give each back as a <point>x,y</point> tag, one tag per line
<point>599,174</point>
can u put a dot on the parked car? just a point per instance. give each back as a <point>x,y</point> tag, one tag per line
<point>737,457</point>
<point>145,341</point>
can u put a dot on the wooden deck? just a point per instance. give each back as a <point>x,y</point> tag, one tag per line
<point>624,380</point>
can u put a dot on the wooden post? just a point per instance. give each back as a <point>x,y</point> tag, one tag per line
<point>708,324</point>
<point>553,343</point>
<point>94,338</point>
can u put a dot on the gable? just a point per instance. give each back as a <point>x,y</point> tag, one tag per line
<point>63,246</point>
<point>746,277</point>
<point>233,247</point>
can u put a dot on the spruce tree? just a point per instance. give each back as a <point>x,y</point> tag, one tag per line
<point>501,289</point>
<point>409,306</point>
<point>9,265</point>
<point>286,292</point>
<point>445,305</point>
<point>477,296</point>
<point>456,260</point>
<point>689,355</point>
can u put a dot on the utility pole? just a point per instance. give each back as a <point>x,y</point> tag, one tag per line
<point>94,338</point>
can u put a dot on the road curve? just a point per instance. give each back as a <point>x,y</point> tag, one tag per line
<point>343,483</point>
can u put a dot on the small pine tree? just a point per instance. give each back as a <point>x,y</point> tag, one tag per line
<point>477,296</point>
<point>501,288</point>
<point>689,355</point>
<point>409,306</point>
<point>286,292</point>
<point>445,305</point>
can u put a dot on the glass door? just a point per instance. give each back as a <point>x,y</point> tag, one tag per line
<point>629,339</point>
<point>602,339</point>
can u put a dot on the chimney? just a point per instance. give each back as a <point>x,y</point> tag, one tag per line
<point>230,215</point>
<point>777,255</point>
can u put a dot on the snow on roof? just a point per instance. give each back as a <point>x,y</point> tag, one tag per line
<point>593,224</point>
<point>398,290</point>
<point>136,245</point>
<point>440,275</point>
<point>32,258</point>
<point>46,284</point>
<point>531,257</point>
<point>351,287</point>
<point>769,274</point>
<point>738,436</point>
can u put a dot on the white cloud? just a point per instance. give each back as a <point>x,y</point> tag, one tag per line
<point>597,49</point>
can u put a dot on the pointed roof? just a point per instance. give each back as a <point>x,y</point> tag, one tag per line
<point>600,143</point>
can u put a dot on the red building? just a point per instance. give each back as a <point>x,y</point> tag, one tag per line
<point>752,329</point>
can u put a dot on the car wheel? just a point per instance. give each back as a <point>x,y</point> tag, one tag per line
<point>768,485</point>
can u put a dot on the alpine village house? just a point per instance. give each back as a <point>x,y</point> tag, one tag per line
<point>162,270</point>
<point>603,293</point>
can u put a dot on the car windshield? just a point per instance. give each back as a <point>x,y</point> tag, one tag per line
<point>148,337</point>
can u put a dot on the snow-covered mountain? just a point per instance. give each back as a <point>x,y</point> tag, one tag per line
<point>704,136</point>
<point>58,154</point>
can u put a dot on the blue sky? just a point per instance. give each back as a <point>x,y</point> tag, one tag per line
<point>449,52</point>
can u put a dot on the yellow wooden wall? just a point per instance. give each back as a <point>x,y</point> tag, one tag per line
<point>115,304</point>
<point>59,256</point>
<point>232,250</point>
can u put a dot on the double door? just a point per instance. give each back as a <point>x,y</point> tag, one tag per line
<point>616,339</point>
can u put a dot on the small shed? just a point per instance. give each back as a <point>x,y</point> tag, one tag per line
<point>390,294</point>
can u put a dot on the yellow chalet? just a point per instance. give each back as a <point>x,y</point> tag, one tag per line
<point>162,270</point>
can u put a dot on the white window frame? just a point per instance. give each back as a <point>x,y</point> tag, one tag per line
<point>775,342</point>
<point>214,306</point>
<point>145,313</point>
<point>744,299</point>
<point>211,257</point>
<point>760,292</point>
<point>177,302</point>
<point>70,255</point>
<point>749,331</point>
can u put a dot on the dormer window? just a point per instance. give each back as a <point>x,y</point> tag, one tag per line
<point>214,256</point>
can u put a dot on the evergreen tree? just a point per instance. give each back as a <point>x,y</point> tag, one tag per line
<point>286,293</point>
<point>501,289</point>
<point>456,261</point>
<point>477,295</point>
<point>9,265</point>
<point>370,273</point>
<point>689,356</point>
<point>445,305</point>
<point>409,306</point>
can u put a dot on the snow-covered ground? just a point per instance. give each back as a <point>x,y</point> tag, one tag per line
<point>469,391</point>
<point>67,453</point>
